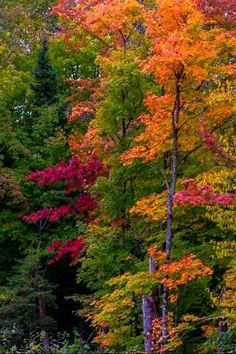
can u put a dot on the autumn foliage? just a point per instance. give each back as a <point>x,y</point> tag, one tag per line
<point>68,247</point>
<point>76,176</point>
<point>128,172</point>
<point>182,43</point>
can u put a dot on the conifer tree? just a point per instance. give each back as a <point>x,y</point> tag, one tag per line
<point>24,302</point>
<point>45,79</point>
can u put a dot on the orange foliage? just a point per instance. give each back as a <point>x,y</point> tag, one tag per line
<point>208,330</point>
<point>178,273</point>
<point>183,55</point>
<point>82,111</point>
<point>109,19</point>
<point>152,207</point>
<point>183,271</point>
<point>90,142</point>
<point>158,255</point>
<point>174,274</point>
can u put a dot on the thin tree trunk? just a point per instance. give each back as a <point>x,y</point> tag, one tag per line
<point>222,328</point>
<point>222,325</point>
<point>42,318</point>
<point>171,191</point>
<point>149,313</point>
<point>147,309</point>
<point>168,244</point>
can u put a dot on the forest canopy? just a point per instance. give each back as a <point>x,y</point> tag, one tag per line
<point>117,176</point>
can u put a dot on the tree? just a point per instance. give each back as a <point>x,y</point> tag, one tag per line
<point>45,85</point>
<point>177,111</point>
<point>76,177</point>
<point>24,302</point>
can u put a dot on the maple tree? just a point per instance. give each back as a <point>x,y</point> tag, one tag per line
<point>77,177</point>
<point>122,300</point>
<point>181,62</point>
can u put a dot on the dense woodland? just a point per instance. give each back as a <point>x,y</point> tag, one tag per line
<point>117,176</point>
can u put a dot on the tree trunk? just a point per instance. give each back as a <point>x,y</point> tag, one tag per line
<point>42,318</point>
<point>168,251</point>
<point>149,313</point>
<point>171,191</point>
<point>148,317</point>
<point>222,328</point>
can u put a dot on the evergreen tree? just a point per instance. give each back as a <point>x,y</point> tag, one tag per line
<point>45,85</point>
<point>24,303</point>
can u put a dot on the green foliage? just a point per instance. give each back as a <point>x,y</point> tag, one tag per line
<point>45,82</point>
<point>19,307</point>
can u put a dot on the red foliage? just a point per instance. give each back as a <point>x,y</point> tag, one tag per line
<point>85,203</point>
<point>117,223</point>
<point>38,215</point>
<point>222,11</point>
<point>201,195</point>
<point>66,8</point>
<point>46,213</point>
<point>58,212</point>
<point>62,248</point>
<point>76,174</point>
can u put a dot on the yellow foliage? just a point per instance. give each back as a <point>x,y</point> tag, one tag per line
<point>225,249</point>
<point>190,318</point>
<point>222,181</point>
<point>152,208</point>
<point>226,302</point>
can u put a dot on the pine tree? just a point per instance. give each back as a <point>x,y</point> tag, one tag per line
<point>45,79</point>
<point>24,303</point>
